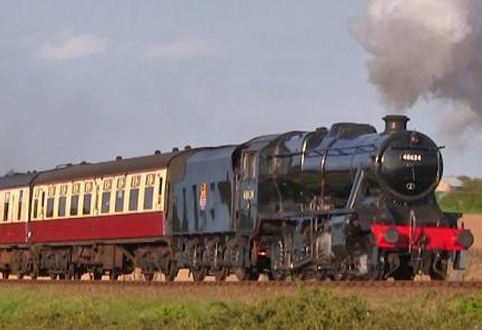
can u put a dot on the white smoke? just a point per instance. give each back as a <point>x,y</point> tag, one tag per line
<point>426,49</point>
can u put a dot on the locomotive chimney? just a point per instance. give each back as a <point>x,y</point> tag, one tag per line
<point>395,123</point>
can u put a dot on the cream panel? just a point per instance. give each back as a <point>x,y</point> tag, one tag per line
<point>2,202</point>
<point>161,189</point>
<point>13,205</point>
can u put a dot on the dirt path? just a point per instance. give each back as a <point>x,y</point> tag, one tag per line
<point>474,223</point>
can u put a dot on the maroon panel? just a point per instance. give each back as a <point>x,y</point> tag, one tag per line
<point>13,233</point>
<point>125,226</point>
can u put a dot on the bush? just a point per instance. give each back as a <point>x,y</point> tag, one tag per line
<point>461,201</point>
<point>307,309</point>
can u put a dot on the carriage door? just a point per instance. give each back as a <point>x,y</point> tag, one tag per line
<point>247,192</point>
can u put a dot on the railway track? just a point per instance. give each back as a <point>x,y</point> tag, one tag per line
<point>469,285</point>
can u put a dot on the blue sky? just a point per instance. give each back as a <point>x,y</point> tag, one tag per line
<point>90,80</point>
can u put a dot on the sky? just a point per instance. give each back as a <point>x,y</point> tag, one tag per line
<point>91,80</point>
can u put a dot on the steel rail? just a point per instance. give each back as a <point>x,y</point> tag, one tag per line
<point>472,285</point>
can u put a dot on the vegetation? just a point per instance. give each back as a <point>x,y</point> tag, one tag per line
<point>468,200</point>
<point>20,308</point>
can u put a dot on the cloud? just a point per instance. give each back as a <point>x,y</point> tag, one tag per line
<point>69,46</point>
<point>180,49</point>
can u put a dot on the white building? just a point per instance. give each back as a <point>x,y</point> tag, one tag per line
<point>449,184</point>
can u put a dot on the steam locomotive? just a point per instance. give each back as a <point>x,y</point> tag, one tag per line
<point>345,203</point>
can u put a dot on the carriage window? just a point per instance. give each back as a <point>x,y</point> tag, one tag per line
<point>20,198</point>
<point>105,202</point>
<point>62,206</point>
<point>87,202</point>
<point>35,209</point>
<point>74,205</point>
<point>42,203</point>
<point>76,188</point>
<point>107,184</point>
<point>50,202</point>
<point>148,198</point>
<point>136,181</point>
<point>133,199</point>
<point>119,201</point>
<point>160,191</point>
<point>150,179</point>
<point>50,207</point>
<point>5,207</point>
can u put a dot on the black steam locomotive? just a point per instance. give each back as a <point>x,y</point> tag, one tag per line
<point>343,203</point>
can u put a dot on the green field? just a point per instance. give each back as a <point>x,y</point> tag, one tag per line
<point>461,201</point>
<point>22,308</point>
<point>467,200</point>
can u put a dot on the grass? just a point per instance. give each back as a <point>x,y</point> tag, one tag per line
<point>20,308</point>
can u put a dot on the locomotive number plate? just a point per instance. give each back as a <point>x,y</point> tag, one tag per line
<point>412,157</point>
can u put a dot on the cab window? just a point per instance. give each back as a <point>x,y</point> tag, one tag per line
<point>249,165</point>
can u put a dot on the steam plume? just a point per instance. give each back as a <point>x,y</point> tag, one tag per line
<point>426,49</point>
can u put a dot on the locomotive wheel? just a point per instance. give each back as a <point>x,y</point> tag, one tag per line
<point>221,274</point>
<point>113,275</point>
<point>70,272</point>
<point>375,272</point>
<point>97,275</point>
<point>277,275</point>
<point>253,276</point>
<point>323,276</point>
<point>199,274</point>
<point>246,274</point>
<point>442,274</point>
<point>34,272</point>
<point>403,274</point>
<point>215,256</point>
<point>277,261</point>
<point>172,271</point>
